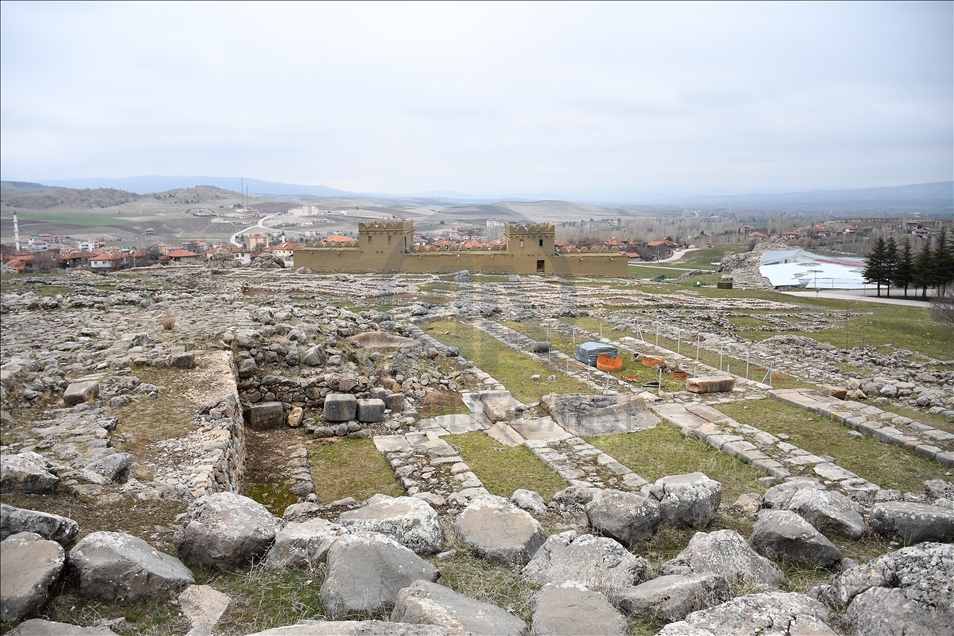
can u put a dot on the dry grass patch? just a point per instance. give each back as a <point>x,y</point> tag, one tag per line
<point>883,464</point>
<point>350,468</point>
<point>505,469</point>
<point>438,402</point>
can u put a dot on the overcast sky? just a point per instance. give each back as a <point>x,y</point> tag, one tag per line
<point>587,101</point>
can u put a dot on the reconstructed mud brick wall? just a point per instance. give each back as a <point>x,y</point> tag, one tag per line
<point>529,249</point>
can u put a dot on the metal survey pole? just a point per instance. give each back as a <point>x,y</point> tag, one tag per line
<point>698,344</point>
<point>747,352</point>
<point>657,333</point>
<point>720,355</point>
<point>659,382</point>
<point>678,340</point>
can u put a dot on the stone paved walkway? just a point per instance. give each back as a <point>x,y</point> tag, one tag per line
<point>884,426</point>
<point>762,450</point>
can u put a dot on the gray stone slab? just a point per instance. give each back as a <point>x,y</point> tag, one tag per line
<point>504,434</point>
<point>945,459</point>
<point>803,460</point>
<point>457,423</point>
<point>391,443</point>
<point>832,472</point>
<point>927,451</point>
<point>541,429</point>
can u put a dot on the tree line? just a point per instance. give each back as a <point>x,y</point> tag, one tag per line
<point>900,267</point>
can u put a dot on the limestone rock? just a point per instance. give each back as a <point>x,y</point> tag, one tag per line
<point>913,522</point>
<point>114,467</point>
<point>427,603</point>
<point>42,627</point>
<point>408,520</point>
<point>765,614</point>
<point>689,500</point>
<point>584,414</point>
<point>31,564</point>
<point>903,593</point>
<point>265,416</point>
<point>49,526</point>
<point>27,473</point>
<point>599,563</point>
<point>340,407</point>
<point>303,545</point>
<point>203,606</point>
<point>828,511</point>
<point>672,597</point>
<point>624,516</point>
<point>570,609</point>
<point>727,554</point>
<point>224,530</point>
<point>528,500</point>
<point>117,565</point>
<point>360,628</point>
<point>366,572</point>
<point>500,531</point>
<point>370,410</point>
<point>314,357</point>
<point>780,496</point>
<point>80,392</point>
<point>782,534</point>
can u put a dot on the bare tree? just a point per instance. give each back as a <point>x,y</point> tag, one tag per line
<point>942,307</point>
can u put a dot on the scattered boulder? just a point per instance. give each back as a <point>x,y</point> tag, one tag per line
<point>31,564</point>
<point>408,520</point>
<point>913,522</point>
<point>689,500</point>
<point>314,357</point>
<point>203,606</point>
<point>117,565</point>
<point>366,572</point>
<point>779,496</point>
<point>828,511</point>
<point>624,516</point>
<point>303,545</point>
<point>340,407</point>
<point>528,500</point>
<point>427,603</point>
<point>584,414</point>
<point>907,592</point>
<point>49,526</point>
<point>43,627</point>
<point>569,609</point>
<point>265,416</point>
<point>726,553</point>
<point>81,392</point>
<point>183,360</point>
<point>599,563</point>
<point>673,597</point>
<point>573,497</point>
<point>499,531</point>
<point>765,613</point>
<point>499,406</point>
<point>224,530</point>
<point>27,473</point>
<point>782,534</point>
<point>113,467</point>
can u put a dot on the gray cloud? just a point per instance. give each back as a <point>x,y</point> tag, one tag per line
<point>587,100</point>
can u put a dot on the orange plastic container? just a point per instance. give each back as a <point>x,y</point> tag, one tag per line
<point>650,361</point>
<point>606,363</point>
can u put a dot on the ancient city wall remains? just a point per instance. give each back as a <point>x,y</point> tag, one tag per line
<point>529,249</point>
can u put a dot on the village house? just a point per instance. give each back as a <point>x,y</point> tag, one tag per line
<point>183,257</point>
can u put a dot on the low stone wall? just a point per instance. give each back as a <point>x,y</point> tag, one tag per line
<point>223,466</point>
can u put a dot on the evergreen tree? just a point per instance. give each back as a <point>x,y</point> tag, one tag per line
<point>874,264</point>
<point>923,268</point>
<point>943,263</point>
<point>904,272</point>
<point>890,266</point>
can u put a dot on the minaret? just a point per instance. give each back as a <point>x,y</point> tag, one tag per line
<point>16,231</point>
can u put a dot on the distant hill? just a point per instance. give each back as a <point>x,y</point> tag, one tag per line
<point>149,184</point>
<point>15,186</point>
<point>65,198</point>
<point>934,198</point>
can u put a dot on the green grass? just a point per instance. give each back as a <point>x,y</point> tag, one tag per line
<point>350,468</point>
<point>505,469</point>
<point>663,451</point>
<point>885,465</point>
<point>510,367</point>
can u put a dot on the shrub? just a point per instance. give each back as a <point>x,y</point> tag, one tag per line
<point>168,321</point>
